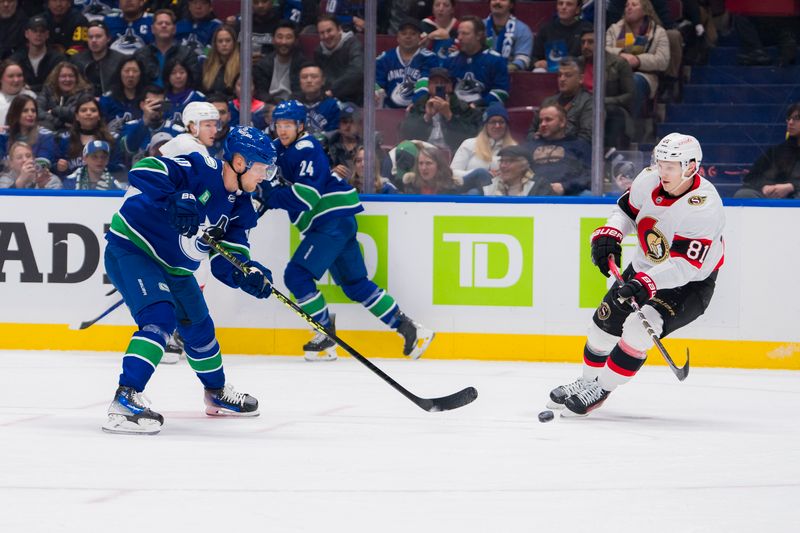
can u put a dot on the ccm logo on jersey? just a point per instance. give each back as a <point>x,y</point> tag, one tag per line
<point>697,199</point>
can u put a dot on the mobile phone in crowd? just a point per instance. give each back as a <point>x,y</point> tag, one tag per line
<point>440,91</point>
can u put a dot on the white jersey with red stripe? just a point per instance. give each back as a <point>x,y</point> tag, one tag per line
<point>680,237</point>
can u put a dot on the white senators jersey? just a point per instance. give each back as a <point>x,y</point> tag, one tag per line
<point>680,238</point>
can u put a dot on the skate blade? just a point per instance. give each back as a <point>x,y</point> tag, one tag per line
<point>119,425</point>
<point>221,411</point>
<point>566,413</point>
<point>553,405</point>
<point>326,355</point>
<point>424,339</point>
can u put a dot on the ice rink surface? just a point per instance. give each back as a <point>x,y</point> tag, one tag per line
<point>336,449</point>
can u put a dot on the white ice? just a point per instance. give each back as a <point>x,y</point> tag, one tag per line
<point>336,449</point>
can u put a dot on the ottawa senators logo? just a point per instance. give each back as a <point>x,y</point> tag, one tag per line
<point>697,199</point>
<point>654,245</point>
<point>604,311</point>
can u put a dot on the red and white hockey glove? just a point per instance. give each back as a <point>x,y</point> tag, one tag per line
<point>640,288</point>
<point>606,241</point>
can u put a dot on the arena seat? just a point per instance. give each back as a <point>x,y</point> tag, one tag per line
<point>534,14</point>
<point>529,89</point>
<point>519,120</point>
<point>387,122</point>
<point>225,8</point>
<point>309,43</point>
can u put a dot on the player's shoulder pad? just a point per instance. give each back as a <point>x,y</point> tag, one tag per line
<point>153,164</point>
<point>304,144</point>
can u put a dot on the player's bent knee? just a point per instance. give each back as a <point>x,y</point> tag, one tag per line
<point>634,333</point>
<point>198,334</point>
<point>158,318</point>
<point>298,280</point>
<point>600,341</point>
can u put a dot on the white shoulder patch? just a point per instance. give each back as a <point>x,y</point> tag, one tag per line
<point>210,161</point>
<point>303,144</point>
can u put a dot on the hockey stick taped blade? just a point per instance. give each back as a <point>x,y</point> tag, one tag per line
<point>448,403</point>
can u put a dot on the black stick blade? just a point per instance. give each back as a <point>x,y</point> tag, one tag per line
<point>682,373</point>
<point>448,403</point>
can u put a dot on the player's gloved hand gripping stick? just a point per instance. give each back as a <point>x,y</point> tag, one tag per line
<point>445,403</point>
<point>680,373</point>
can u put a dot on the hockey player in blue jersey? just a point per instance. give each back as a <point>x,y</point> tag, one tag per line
<point>323,207</point>
<point>152,252</point>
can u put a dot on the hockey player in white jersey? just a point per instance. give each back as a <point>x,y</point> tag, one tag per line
<point>678,218</point>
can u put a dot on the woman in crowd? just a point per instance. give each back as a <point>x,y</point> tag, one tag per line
<point>87,125</point>
<point>12,84</point>
<point>180,85</point>
<point>515,177</point>
<point>121,103</point>
<point>24,172</point>
<point>358,177</point>
<point>221,67</point>
<point>640,39</point>
<point>22,124</point>
<point>431,174</point>
<point>61,90</point>
<point>441,29</point>
<point>475,161</point>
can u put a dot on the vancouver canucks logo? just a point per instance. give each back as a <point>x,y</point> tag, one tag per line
<point>654,245</point>
<point>402,92</point>
<point>197,250</point>
<point>469,89</point>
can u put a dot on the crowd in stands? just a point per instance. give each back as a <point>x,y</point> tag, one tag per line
<point>88,87</point>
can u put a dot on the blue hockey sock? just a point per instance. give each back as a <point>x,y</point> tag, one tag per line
<point>206,361</point>
<point>141,358</point>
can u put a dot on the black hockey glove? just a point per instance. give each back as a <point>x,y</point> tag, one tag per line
<point>606,241</point>
<point>640,288</point>
<point>257,282</point>
<point>182,213</point>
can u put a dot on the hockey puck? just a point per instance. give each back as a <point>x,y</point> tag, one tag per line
<point>546,416</point>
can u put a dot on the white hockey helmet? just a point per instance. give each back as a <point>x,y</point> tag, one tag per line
<point>681,148</point>
<point>194,112</point>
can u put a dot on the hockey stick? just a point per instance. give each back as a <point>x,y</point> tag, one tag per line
<point>680,373</point>
<point>445,403</point>
<point>87,323</point>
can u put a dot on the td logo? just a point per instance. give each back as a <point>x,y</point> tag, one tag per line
<point>373,239</point>
<point>483,261</point>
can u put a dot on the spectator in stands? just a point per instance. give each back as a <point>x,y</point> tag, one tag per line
<point>439,31</point>
<point>640,40</point>
<point>98,63</point>
<point>94,174</point>
<point>400,10</point>
<point>619,91</point>
<point>88,125</point>
<point>480,74</point>
<point>350,15</point>
<point>12,84</point>
<point>560,37</point>
<point>572,97</point>
<point>508,35</point>
<point>179,84</point>
<point>37,59</point>
<point>121,103</point>
<point>558,159</point>
<point>514,176</point>
<point>165,49</point>
<point>359,175</point>
<point>61,91</point>
<point>221,67</point>
<point>267,18</point>
<point>136,134</point>
<point>476,160</point>
<point>130,27</point>
<point>400,73</point>
<point>220,101</point>
<point>341,57</point>
<point>277,74</point>
<point>22,123</point>
<point>67,27</point>
<point>24,172</point>
<point>323,109</point>
<point>431,174</point>
<point>342,144</point>
<point>441,117</point>
<point>197,30</point>
<point>776,173</point>
<point>12,28</point>
<point>260,113</point>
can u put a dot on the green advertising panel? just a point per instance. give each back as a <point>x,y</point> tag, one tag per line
<point>373,239</point>
<point>483,261</point>
<point>592,282</point>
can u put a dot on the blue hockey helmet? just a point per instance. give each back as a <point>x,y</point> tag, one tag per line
<point>289,110</point>
<point>252,144</point>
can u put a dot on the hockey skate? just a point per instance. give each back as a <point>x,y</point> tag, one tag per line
<point>587,400</point>
<point>416,337</point>
<point>228,402</point>
<point>129,413</point>
<point>560,394</point>
<point>321,348</point>
<point>173,351</point>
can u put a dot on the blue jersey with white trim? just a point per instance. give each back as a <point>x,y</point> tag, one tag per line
<point>404,82</point>
<point>314,194</point>
<point>142,220</point>
<point>481,78</point>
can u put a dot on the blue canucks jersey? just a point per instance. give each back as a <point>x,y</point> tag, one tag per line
<point>323,116</point>
<point>314,195</point>
<point>142,220</point>
<point>403,83</point>
<point>203,30</point>
<point>481,78</point>
<point>140,28</point>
